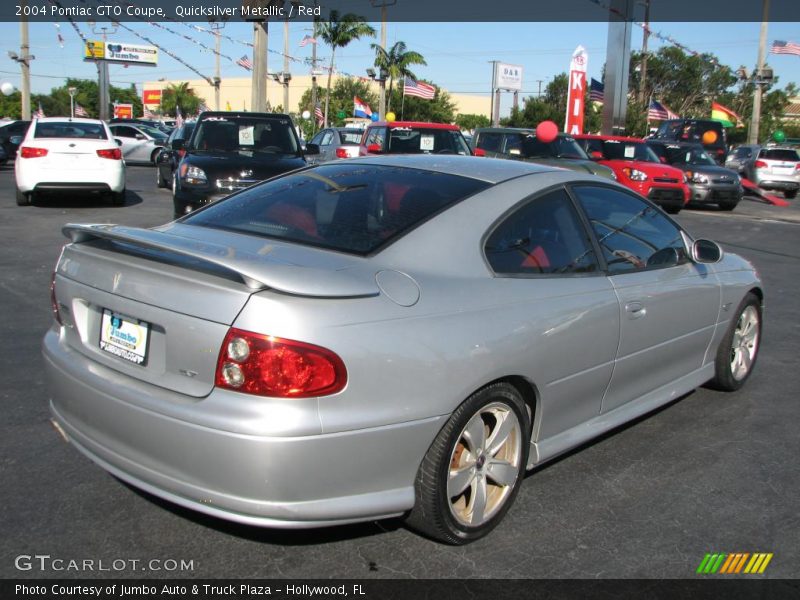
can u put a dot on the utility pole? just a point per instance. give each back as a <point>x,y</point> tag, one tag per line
<point>215,27</point>
<point>314,76</point>
<point>755,119</point>
<point>494,84</point>
<point>258,97</point>
<point>645,36</point>
<point>285,75</point>
<point>383,4</point>
<point>102,70</point>
<point>25,66</point>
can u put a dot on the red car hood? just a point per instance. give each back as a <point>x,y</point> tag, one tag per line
<point>649,168</point>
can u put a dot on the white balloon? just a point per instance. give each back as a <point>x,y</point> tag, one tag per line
<point>306,114</point>
<point>7,88</point>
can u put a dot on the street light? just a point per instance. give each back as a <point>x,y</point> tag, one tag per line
<point>72,91</point>
<point>380,77</point>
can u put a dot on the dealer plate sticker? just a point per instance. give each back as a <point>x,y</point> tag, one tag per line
<point>124,337</point>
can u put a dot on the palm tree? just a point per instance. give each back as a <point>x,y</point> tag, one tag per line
<point>179,94</point>
<point>337,33</point>
<point>396,62</point>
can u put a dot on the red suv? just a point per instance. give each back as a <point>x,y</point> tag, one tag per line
<point>413,137</point>
<point>637,166</point>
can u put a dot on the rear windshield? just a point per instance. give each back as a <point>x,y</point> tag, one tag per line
<point>67,129</point>
<point>252,135</point>
<point>691,131</point>
<point>418,140</point>
<point>350,137</point>
<point>688,155</point>
<point>779,154</point>
<point>353,208</point>
<point>529,146</point>
<point>618,150</point>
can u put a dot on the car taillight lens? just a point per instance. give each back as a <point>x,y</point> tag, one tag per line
<point>31,152</point>
<point>264,365</point>
<point>342,153</point>
<point>760,164</point>
<point>112,153</point>
<point>53,301</point>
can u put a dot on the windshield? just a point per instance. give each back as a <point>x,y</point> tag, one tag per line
<point>418,140</point>
<point>688,156</point>
<point>153,132</point>
<point>68,129</point>
<point>619,150</point>
<point>352,208</point>
<point>529,146</point>
<point>263,135</point>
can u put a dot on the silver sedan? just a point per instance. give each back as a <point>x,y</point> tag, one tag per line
<point>398,335</point>
<point>139,143</point>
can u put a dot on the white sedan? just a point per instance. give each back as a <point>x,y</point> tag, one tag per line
<point>69,155</point>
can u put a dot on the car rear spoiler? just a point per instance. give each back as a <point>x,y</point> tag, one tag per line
<point>256,271</point>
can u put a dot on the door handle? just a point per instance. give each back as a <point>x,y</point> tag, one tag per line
<point>635,310</point>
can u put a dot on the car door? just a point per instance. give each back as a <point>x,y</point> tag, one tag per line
<point>128,136</point>
<point>542,253</point>
<point>667,308</point>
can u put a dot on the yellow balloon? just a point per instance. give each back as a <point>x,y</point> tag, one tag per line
<point>390,116</point>
<point>709,137</point>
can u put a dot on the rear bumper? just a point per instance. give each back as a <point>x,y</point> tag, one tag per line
<point>778,184</point>
<point>29,178</point>
<point>276,481</point>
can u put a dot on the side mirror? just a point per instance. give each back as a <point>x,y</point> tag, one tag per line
<point>479,152</point>
<point>119,141</point>
<point>374,149</point>
<point>16,140</point>
<point>178,144</point>
<point>706,251</point>
<point>312,149</point>
<point>595,155</point>
<point>140,136</point>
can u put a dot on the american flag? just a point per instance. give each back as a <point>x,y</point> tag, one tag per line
<point>80,111</point>
<point>245,62</point>
<point>307,39</point>
<point>39,114</point>
<point>178,117</point>
<point>781,47</point>
<point>318,114</point>
<point>146,112</point>
<point>420,90</point>
<point>596,91</point>
<point>659,112</point>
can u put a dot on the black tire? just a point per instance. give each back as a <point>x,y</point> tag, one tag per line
<point>726,378</point>
<point>789,194</point>
<point>727,205</point>
<point>118,198</point>
<point>445,518</point>
<point>23,199</point>
<point>673,210</point>
<point>154,156</point>
<point>160,181</point>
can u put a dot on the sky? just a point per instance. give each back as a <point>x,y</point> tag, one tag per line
<point>457,54</point>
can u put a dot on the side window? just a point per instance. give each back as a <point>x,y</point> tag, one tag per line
<point>326,139</point>
<point>489,141</point>
<point>124,131</point>
<point>544,236</point>
<point>632,234</point>
<point>376,135</point>
<point>317,138</point>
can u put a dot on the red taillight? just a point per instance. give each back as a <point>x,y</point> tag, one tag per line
<point>760,164</point>
<point>268,366</point>
<point>53,301</point>
<point>31,152</point>
<point>112,153</point>
<point>342,153</point>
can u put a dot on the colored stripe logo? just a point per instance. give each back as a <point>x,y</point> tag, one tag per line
<point>734,563</point>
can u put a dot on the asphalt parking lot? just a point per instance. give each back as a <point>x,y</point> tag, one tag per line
<point>711,472</point>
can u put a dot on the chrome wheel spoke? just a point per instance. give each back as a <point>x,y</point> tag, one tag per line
<point>499,436</point>
<point>479,498</point>
<point>475,434</point>
<point>460,480</point>
<point>502,472</point>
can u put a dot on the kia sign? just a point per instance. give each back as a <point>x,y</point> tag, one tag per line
<point>129,54</point>
<point>508,77</point>
<point>577,91</point>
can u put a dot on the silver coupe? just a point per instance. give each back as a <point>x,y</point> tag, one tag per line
<point>396,335</point>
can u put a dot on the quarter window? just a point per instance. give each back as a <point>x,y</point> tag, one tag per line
<point>544,236</point>
<point>633,234</point>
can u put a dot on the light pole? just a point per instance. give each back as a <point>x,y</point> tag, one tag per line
<point>382,4</point>
<point>102,68</point>
<point>215,27</point>
<point>380,77</point>
<point>72,91</point>
<point>755,118</point>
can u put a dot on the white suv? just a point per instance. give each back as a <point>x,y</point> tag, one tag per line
<point>776,169</point>
<point>69,155</point>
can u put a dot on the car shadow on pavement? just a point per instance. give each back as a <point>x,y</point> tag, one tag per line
<point>88,200</point>
<point>267,535</point>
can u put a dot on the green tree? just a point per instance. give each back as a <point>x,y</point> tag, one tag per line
<point>550,106</point>
<point>337,33</point>
<point>441,109</point>
<point>470,122</point>
<point>396,62</point>
<point>180,95</point>
<point>341,100</point>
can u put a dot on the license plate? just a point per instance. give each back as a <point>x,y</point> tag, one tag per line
<point>781,170</point>
<point>124,337</point>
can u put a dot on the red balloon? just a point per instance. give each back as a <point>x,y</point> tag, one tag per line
<point>546,131</point>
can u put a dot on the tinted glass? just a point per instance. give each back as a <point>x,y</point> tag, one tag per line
<point>350,137</point>
<point>251,134</point>
<point>630,232</point>
<point>153,132</point>
<point>419,140</point>
<point>123,131</point>
<point>70,129</point>
<point>779,154</point>
<point>688,155</point>
<point>491,142</point>
<point>616,150</point>
<point>529,146</point>
<point>349,207</point>
<point>544,236</point>
<point>376,135</point>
